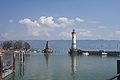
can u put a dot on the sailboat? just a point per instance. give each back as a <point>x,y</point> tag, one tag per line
<point>47,49</point>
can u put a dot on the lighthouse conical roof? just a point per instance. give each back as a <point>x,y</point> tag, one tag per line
<point>73,30</point>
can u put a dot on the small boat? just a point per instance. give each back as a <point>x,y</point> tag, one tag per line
<point>47,49</point>
<point>34,51</point>
<point>17,51</point>
<point>86,53</point>
<point>2,50</point>
<point>104,53</point>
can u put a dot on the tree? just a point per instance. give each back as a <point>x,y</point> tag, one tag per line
<point>18,45</point>
<point>26,45</point>
<point>7,45</point>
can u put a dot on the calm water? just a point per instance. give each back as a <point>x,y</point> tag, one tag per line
<point>65,67</point>
<point>61,66</point>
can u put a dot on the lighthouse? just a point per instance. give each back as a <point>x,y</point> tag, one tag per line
<point>73,46</point>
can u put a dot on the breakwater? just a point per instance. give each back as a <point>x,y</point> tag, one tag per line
<point>100,52</point>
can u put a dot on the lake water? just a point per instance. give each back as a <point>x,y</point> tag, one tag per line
<point>61,66</point>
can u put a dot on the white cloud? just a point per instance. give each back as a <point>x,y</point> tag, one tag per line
<point>117,33</point>
<point>46,33</point>
<point>60,22</point>
<point>48,21</point>
<point>33,31</point>
<point>65,35</point>
<point>83,33</point>
<point>89,34</point>
<point>29,22</point>
<point>63,21</point>
<point>92,22</point>
<point>33,26</point>
<point>79,20</point>
<point>101,27</point>
<point>5,35</point>
<point>11,21</point>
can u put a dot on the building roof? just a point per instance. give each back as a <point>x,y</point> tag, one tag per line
<point>2,50</point>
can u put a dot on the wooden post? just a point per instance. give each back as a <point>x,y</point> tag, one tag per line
<point>22,64</point>
<point>13,62</point>
<point>118,69</point>
<point>22,57</point>
<point>0,66</point>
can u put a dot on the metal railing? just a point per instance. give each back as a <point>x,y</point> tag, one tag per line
<point>118,72</point>
<point>114,77</point>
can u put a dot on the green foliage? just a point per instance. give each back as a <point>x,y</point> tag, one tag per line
<point>15,45</point>
<point>18,45</point>
<point>7,45</point>
<point>26,46</point>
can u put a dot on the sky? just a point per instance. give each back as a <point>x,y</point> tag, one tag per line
<point>55,19</point>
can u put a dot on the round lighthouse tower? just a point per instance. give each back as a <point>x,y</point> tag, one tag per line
<point>73,46</point>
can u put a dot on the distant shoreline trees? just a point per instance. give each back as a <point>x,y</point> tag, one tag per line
<point>15,45</point>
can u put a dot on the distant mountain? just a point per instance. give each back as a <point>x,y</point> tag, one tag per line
<point>81,44</point>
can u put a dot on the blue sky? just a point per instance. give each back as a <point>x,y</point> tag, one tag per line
<point>55,19</point>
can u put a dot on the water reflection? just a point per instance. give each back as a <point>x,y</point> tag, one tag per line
<point>10,77</point>
<point>48,71</point>
<point>104,56</point>
<point>73,65</point>
<point>21,66</point>
<point>13,76</point>
<point>47,55</point>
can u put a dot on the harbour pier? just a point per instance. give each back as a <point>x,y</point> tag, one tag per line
<point>100,52</point>
<point>75,50</point>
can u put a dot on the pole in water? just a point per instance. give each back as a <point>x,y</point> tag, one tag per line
<point>21,64</point>
<point>21,57</point>
<point>0,66</point>
<point>13,62</point>
<point>118,69</point>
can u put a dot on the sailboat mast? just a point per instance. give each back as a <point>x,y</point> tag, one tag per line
<point>47,45</point>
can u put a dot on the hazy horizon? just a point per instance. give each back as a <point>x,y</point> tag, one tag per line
<point>64,40</point>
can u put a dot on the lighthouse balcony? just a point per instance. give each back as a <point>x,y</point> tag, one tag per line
<point>73,51</point>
